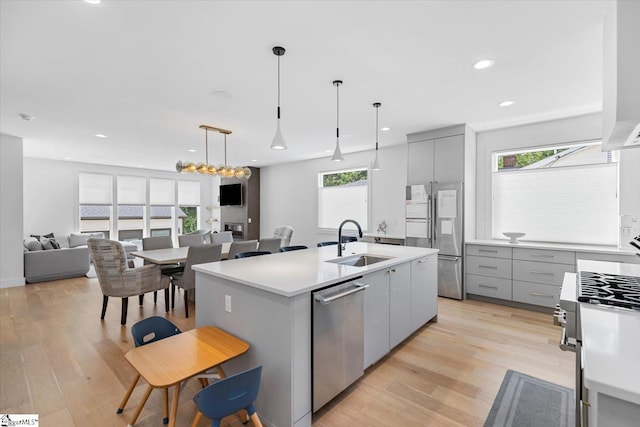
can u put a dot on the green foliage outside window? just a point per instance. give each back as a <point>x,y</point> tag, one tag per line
<point>526,159</point>
<point>189,222</point>
<point>343,178</point>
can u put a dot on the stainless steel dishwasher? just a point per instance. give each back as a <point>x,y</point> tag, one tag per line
<point>338,339</point>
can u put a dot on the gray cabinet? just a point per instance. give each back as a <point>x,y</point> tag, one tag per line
<point>424,290</point>
<point>376,317</point>
<point>399,303</point>
<point>438,159</point>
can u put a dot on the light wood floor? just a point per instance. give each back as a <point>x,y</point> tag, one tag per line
<point>60,361</point>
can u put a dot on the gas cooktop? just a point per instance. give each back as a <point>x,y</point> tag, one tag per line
<point>609,289</point>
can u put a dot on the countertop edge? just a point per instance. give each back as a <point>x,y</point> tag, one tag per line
<point>554,246</point>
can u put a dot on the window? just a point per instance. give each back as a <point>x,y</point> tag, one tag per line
<point>341,195</point>
<point>189,204</point>
<point>162,203</point>
<point>95,199</point>
<point>565,194</point>
<point>132,200</point>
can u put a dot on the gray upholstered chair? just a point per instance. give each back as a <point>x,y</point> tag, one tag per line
<point>222,237</point>
<point>284,232</point>
<point>118,280</point>
<point>270,244</point>
<point>191,240</point>
<point>187,279</point>
<point>242,246</point>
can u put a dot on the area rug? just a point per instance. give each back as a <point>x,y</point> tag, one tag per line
<point>525,401</point>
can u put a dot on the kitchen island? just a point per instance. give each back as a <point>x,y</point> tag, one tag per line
<point>267,302</point>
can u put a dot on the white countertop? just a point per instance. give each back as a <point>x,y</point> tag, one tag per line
<point>296,272</point>
<point>611,351</point>
<point>554,246</point>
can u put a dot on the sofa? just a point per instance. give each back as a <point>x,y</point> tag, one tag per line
<point>51,258</point>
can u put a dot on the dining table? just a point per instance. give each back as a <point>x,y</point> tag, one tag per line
<point>170,361</point>
<point>172,255</point>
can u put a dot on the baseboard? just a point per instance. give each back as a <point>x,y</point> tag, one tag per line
<point>12,283</point>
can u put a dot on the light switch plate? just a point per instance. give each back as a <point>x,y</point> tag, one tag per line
<point>227,303</point>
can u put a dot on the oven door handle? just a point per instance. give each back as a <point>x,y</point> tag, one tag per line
<point>565,345</point>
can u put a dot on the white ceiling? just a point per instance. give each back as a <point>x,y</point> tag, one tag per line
<point>148,73</point>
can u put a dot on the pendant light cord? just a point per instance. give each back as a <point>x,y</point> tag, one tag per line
<point>206,146</point>
<point>377,128</point>
<point>278,87</point>
<point>338,111</point>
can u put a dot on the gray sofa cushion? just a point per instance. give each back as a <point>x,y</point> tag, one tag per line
<point>80,239</point>
<point>40,266</point>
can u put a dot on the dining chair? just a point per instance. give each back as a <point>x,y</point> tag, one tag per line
<point>320,244</point>
<point>228,396</point>
<point>191,240</point>
<point>270,244</point>
<point>160,242</point>
<point>242,246</point>
<point>292,248</point>
<point>116,279</point>
<point>250,254</point>
<point>222,237</point>
<point>187,278</point>
<point>284,232</point>
<point>145,332</point>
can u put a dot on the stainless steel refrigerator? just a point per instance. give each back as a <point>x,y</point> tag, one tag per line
<point>434,219</point>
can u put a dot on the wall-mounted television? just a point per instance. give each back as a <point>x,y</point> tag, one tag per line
<point>231,195</point>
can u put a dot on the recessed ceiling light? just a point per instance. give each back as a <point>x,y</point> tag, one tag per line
<point>506,103</point>
<point>99,135</point>
<point>484,63</point>
<point>328,151</point>
<point>92,1</point>
<point>191,150</point>
<point>254,160</point>
<point>26,117</point>
<point>140,166</point>
<point>385,129</point>
<point>67,158</point>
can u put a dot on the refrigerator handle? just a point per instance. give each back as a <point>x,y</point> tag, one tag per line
<point>435,216</point>
<point>429,218</point>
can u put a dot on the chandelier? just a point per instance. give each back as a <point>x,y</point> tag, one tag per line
<point>224,170</point>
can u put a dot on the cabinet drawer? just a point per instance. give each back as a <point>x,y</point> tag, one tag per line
<point>536,293</point>
<point>492,267</point>
<point>595,256</point>
<point>489,286</point>
<point>545,255</point>
<point>489,251</point>
<point>540,272</point>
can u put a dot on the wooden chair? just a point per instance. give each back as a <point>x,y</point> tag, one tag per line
<point>187,279</point>
<point>118,280</point>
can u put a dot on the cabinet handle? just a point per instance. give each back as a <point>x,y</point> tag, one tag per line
<point>423,260</point>
<point>487,286</point>
<point>538,294</point>
<point>541,272</point>
<point>541,256</point>
<point>493,251</point>
<point>488,266</point>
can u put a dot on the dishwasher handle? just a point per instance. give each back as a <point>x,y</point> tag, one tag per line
<point>324,301</point>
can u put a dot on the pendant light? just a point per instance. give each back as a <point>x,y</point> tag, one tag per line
<point>337,154</point>
<point>278,142</point>
<point>376,163</point>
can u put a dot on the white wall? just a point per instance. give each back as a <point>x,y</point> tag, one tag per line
<point>288,194</point>
<point>11,259</point>
<point>581,128</point>
<point>51,193</point>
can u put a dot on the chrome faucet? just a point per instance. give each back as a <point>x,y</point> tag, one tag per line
<point>340,247</point>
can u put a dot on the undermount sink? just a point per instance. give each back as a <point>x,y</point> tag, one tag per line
<point>360,260</point>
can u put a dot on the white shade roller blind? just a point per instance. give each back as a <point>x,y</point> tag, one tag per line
<point>340,202</point>
<point>132,190</point>
<point>162,192</point>
<point>570,204</point>
<point>188,193</point>
<point>95,189</point>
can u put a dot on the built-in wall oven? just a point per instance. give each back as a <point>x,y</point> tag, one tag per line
<point>595,283</point>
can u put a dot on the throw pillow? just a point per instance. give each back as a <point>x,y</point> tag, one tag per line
<point>48,236</point>
<point>55,244</point>
<point>32,244</point>
<point>46,243</point>
<point>80,239</point>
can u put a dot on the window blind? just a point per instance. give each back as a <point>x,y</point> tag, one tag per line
<point>576,204</point>
<point>132,190</point>
<point>95,189</point>
<point>340,202</point>
<point>162,192</point>
<point>188,193</point>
